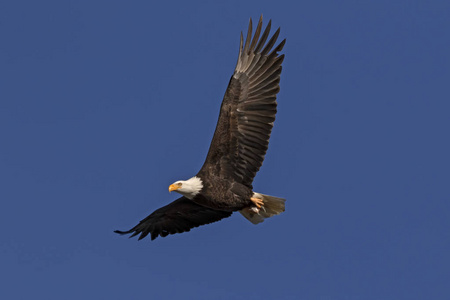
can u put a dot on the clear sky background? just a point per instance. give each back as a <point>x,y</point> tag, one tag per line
<point>103,104</point>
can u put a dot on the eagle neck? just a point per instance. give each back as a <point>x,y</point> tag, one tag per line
<point>195,185</point>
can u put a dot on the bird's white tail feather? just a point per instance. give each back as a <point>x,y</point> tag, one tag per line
<point>272,206</point>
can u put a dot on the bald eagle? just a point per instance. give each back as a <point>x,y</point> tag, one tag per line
<point>224,183</point>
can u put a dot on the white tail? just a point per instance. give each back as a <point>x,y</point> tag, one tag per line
<point>272,206</point>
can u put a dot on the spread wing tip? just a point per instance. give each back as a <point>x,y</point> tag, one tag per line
<point>252,49</point>
<point>123,232</point>
<point>135,233</point>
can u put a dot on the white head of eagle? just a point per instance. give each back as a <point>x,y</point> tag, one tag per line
<point>188,188</point>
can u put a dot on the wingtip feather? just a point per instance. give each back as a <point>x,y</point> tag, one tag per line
<point>122,232</point>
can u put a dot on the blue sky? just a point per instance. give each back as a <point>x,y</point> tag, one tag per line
<point>103,104</point>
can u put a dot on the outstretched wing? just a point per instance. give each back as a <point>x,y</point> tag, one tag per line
<point>248,110</point>
<point>179,216</point>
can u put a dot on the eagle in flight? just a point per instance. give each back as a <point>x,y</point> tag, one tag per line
<point>224,183</point>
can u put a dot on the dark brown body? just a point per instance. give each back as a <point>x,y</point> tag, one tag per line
<point>222,194</point>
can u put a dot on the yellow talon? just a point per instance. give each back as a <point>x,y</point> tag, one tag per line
<point>258,202</point>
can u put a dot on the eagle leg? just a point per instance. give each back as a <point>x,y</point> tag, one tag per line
<point>258,202</point>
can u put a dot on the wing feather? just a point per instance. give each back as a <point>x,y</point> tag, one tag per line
<point>248,109</point>
<point>265,35</point>
<point>179,216</point>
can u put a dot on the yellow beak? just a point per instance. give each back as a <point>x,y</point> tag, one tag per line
<point>173,187</point>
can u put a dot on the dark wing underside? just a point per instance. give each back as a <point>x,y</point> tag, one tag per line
<point>179,216</point>
<point>248,110</point>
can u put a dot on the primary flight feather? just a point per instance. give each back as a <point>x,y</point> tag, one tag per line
<point>224,183</point>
